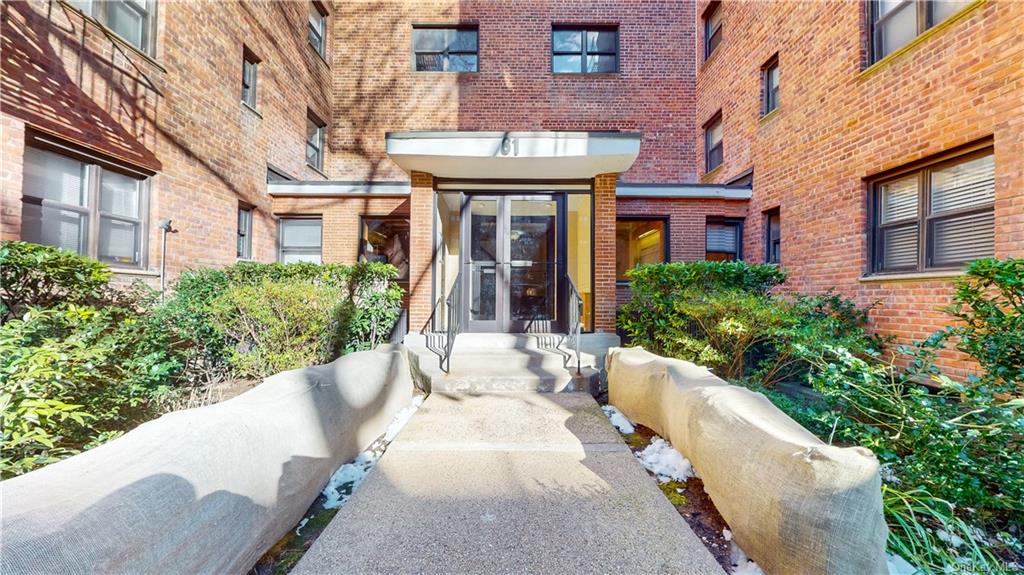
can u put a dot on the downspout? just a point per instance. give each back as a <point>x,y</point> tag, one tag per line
<point>165,227</point>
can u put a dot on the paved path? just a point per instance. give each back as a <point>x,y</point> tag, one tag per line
<point>502,483</point>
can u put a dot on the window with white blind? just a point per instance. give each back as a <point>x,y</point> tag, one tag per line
<point>300,240</point>
<point>84,208</point>
<point>723,239</point>
<point>937,217</point>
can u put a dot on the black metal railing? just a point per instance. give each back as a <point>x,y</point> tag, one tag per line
<point>575,323</point>
<point>452,323</point>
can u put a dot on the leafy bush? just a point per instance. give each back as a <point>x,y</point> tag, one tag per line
<point>375,302</point>
<point>44,276</point>
<point>279,325</point>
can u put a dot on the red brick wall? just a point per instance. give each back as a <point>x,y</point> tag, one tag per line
<point>836,126</point>
<point>605,302</point>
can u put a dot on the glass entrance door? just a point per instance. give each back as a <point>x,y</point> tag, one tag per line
<point>514,263</point>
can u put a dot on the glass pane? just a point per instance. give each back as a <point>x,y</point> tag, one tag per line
<point>964,185</point>
<point>638,242</point>
<point>316,20</point>
<point>942,9</point>
<point>567,41</point>
<point>566,64</point>
<point>532,292</point>
<point>962,239</point>
<point>483,230</point>
<point>599,64</point>
<point>715,133</point>
<point>462,63</point>
<point>447,255</point>
<point>50,226</point>
<point>386,241</point>
<point>899,247</point>
<point>429,62</point>
<point>53,177</point>
<point>128,19</point>
<point>313,131</point>
<point>886,6</point>
<point>483,282</point>
<point>898,200</point>
<point>714,40</point>
<point>773,77</point>
<point>312,156</point>
<point>579,252</point>
<point>119,194</point>
<point>300,233</point>
<point>462,40</point>
<point>244,233</point>
<point>119,241</point>
<point>601,41</point>
<point>722,238</point>
<point>293,257</point>
<point>898,29</point>
<point>532,231</point>
<point>428,39</point>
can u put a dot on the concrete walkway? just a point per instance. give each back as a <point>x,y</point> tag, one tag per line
<point>501,483</point>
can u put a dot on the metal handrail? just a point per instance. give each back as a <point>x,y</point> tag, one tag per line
<point>575,321</point>
<point>452,324</point>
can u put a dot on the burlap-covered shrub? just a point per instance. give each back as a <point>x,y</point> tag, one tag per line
<point>793,503</point>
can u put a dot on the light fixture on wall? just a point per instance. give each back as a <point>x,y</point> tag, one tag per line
<point>165,227</point>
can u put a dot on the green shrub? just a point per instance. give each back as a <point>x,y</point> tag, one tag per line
<point>45,276</point>
<point>374,305</point>
<point>279,325</point>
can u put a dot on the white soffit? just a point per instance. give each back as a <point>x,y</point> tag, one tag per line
<point>514,155</point>
<point>329,189</point>
<point>683,191</point>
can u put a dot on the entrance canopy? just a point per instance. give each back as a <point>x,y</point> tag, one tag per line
<point>514,155</point>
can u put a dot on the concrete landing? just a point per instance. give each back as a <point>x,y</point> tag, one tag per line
<point>508,482</point>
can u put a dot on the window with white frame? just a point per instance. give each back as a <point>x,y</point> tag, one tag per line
<point>85,208</point>
<point>318,28</point>
<point>132,20</point>
<point>300,240</point>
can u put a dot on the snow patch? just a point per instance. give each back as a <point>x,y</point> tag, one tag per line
<point>951,538</point>
<point>349,476</point>
<point>741,564</point>
<point>898,565</point>
<point>661,459</point>
<point>618,420</point>
<point>726,534</point>
<point>298,530</point>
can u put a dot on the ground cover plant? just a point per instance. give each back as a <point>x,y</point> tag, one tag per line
<point>82,362</point>
<point>951,451</point>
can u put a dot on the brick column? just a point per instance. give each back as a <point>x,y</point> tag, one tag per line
<point>604,252</point>
<point>13,146</point>
<point>421,248</point>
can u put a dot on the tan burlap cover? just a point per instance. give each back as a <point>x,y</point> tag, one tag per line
<point>793,503</point>
<point>206,490</point>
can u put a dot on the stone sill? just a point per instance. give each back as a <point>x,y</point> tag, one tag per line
<point>910,277</point>
<point>134,272</point>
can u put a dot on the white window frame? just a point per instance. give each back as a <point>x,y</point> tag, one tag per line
<point>98,10</point>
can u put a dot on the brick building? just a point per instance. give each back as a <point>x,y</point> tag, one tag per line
<point>525,151</point>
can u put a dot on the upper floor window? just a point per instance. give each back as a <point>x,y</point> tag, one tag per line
<point>301,240</point>
<point>712,28</point>
<point>584,50</point>
<point>315,129</point>
<point>250,65</point>
<point>639,241</point>
<point>713,156</point>
<point>894,23</point>
<point>935,217</point>
<point>723,239</point>
<point>84,207</point>
<point>446,48</point>
<point>772,236</point>
<point>132,20</point>
<point>244,232</point>
<point>770,85</point>
<point>318,28</point>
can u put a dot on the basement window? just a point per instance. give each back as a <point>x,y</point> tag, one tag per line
<point>723,239</point>
<point>386,240</point>
<point>300,240</point>
<point>639,241</point>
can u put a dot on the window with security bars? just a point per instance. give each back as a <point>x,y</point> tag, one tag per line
<point>446,48</point>
<point>723,239</point>
<point>584,50</point>
<point>85,208</point>
<point>940,216</point>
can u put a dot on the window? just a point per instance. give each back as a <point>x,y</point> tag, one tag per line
<point>132,20</point>
<point>244,232</point>
<point>939,216</point>
<point>300,240</point>
<point>314,141</point>
<point>712,28</point>
<point>82,207</point>
<point>639,241</point>
<point>445,49</point>
<point>895,23</point>
<point>772,237</point>
<point>770,85</point>
<point>249,67</point>
<point>590,50</point>
<point>713,143</point>
<point>386,240</point>
<point>318,28</point>
<point>723,239</point>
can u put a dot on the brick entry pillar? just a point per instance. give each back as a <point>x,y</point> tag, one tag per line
<point>421,247</point>
<point>604,252</point>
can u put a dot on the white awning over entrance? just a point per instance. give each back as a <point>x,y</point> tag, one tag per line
<point>514,155</point>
